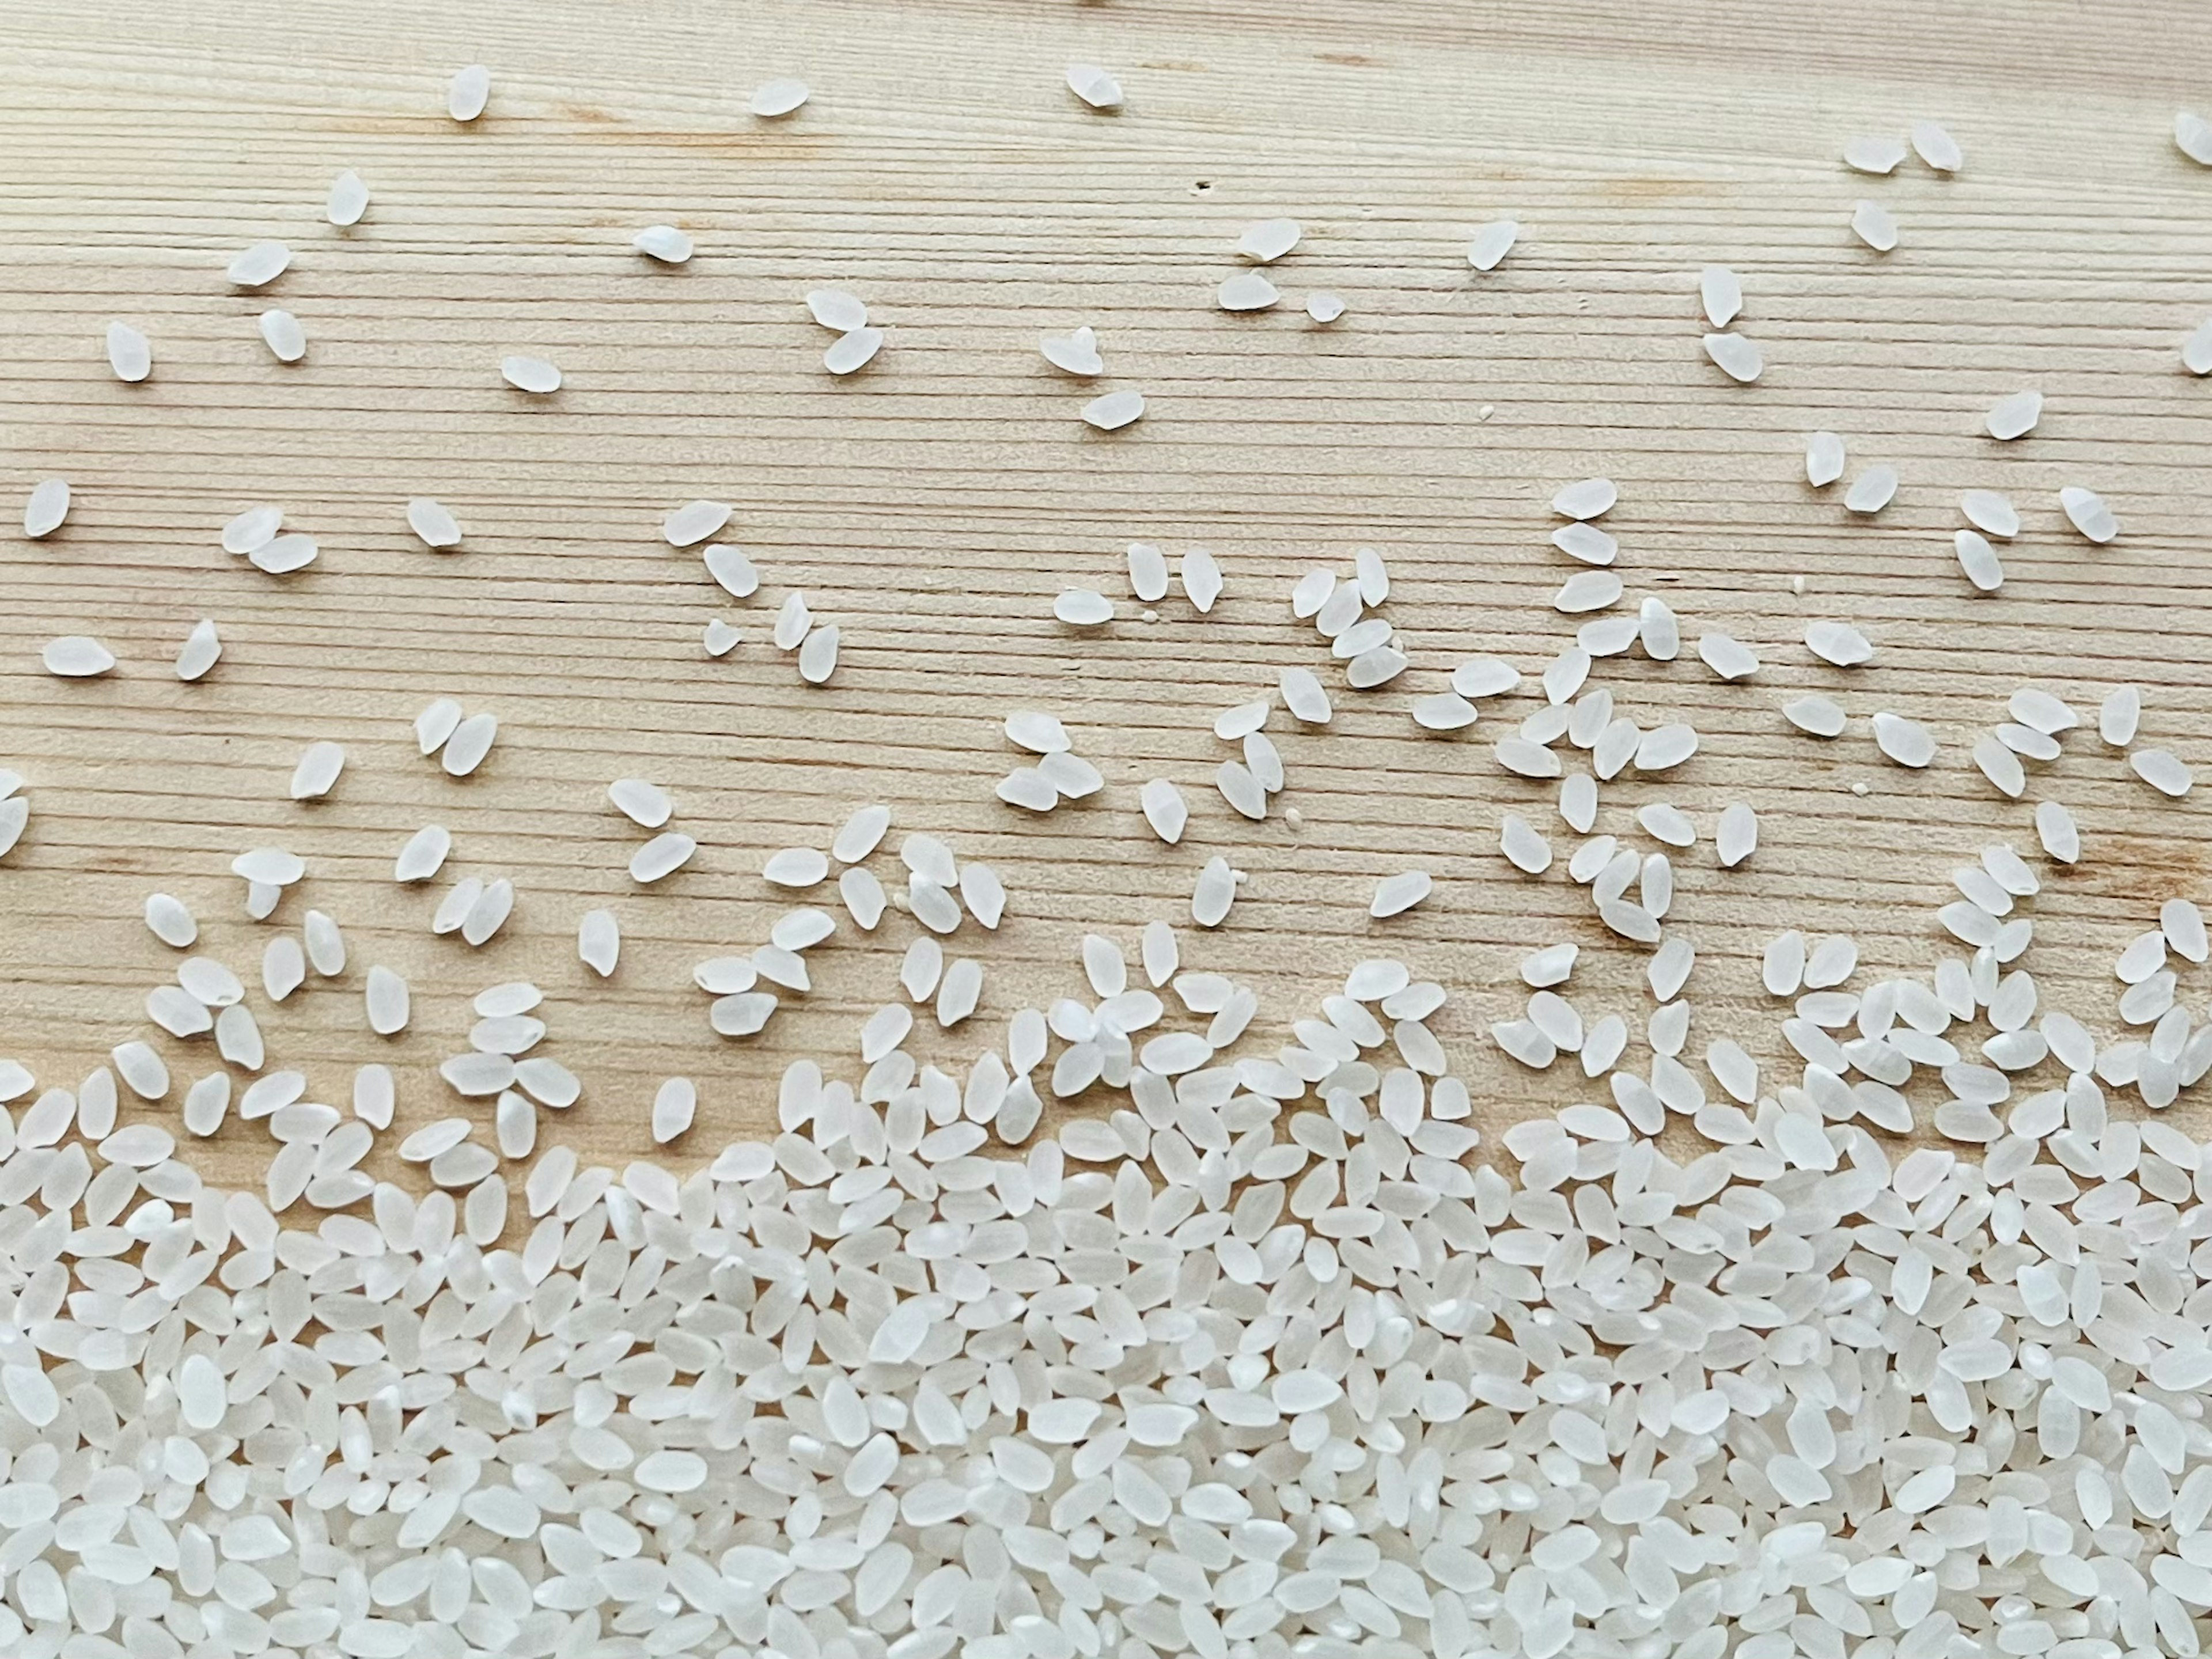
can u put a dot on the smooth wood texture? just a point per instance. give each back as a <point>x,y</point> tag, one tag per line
<point>932,505</point>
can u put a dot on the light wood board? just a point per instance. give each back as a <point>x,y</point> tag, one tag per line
<point>934,504</point>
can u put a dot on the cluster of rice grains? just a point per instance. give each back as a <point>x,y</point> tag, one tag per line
<point>1256,1362</point>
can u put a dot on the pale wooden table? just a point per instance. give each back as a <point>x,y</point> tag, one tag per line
<point>934,504</point>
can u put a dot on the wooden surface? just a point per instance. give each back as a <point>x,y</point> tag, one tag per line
<point>932,505</point>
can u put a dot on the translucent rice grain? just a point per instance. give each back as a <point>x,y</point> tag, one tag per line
<point>76,657</point>
<point>796,867</point>
<point>423,855</point>
<point>2086,510</point>
<point>1720,294</point>
<point>2162,771</point>
<point>2117,716</point>
<point>2015,416</point>
<point>1094,86</point>
<point>1202,579</point>
<point>1588,498</point>
<point>283,555</point>
<point>663,243</point>
<point>317,771</point>
<point>1493,243</point>
<point>1484,677</point>
<point>1268,241</point>
<point>1396,893</point>
<point>674,1106</point>
<point>1838,643</point>
<point>1871,490</point>
<point>1817,716</point>
<point>1585,542</point>
<point>129,353</point>
<point>1075,354</point>
<point>1113,411</point>
<point>348,200</point>
<point>535,375</point>
<point>1248,290</point>
<point>2000,765</point>
<point>2196,350</point>
<point>170,919</point>
<point>1215,892</point>
<point>1164,810</point>
<point>471,89</point>
<point>1872,224</point>
<point>661,857</point>
<point>1873,154</point>
<point>471,742</point>
<point>1665,747</point>
<point>326,946</point>
<point>47,506</point>
<point>283,967</point>
<point>1735,356</point>
<point>772,99</point>
<point>1906,742</point>
<point>1936,147</point>
<point>599,941</point>
<point>1782,967</point>
<point>1303,697</point>
<point>1824,459</point>
<point>282,333</point>
<point>1081,607</point>
<point>1736,837</point>
<point>435,724</point>
<point>1725,658</point>
<point>1028,787</point>
<point>850,353</point>
<point>1447,711</point>
<point>1978,560</point>
<point>2055,829</point>
<point>1991,514</point>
